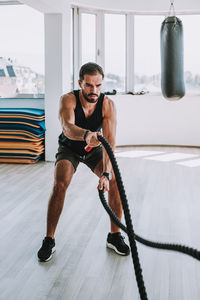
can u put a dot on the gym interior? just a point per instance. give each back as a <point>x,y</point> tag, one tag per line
<point>157,150</point>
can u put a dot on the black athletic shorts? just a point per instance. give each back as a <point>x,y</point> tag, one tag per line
<point>91,159</point>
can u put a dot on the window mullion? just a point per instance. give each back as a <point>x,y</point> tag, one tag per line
<point>130,53</point>
<point>77,45</point>
<point>100,40</point>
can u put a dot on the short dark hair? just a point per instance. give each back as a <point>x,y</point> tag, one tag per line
<point>90,69</point>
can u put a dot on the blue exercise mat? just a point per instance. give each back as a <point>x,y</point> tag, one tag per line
<point>23,127</point>
<point>26,128</point>
<point>28,111</point>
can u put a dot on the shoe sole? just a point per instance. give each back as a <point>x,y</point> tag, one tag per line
<point>111,246</point>
<point>50,257</point>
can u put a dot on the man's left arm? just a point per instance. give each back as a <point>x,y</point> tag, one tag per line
<point>109,132</point>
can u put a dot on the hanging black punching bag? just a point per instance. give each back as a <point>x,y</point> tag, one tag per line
<point>171,46</point>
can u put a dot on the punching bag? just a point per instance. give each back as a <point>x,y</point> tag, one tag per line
<point>171,47</point>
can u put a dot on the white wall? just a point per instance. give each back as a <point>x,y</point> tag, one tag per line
<point>141,120</point>
<point>152,120</point>
<point>57,74</point>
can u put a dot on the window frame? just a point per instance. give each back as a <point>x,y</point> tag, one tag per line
<point>100,40</point>
<point>77,40</point>
<point>82,11</point>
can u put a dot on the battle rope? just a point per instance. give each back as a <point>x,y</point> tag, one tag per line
<point>129,227</point>
<point>127,215</point>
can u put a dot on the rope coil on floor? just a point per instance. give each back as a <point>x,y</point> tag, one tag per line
<point>129,227</point>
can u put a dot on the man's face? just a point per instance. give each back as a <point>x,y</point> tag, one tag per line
<point>91,87</point>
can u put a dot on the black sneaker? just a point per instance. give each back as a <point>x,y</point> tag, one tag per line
<point>116,242</point>
<point>47,249</point>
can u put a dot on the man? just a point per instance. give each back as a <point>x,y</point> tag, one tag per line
<point>83,113</point>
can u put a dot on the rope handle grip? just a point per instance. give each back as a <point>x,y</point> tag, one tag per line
<point>88,148</point>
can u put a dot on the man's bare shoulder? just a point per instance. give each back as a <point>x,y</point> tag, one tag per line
<point>108,106</point>
<point>68,99</point>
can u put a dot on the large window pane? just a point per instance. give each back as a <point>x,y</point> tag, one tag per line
<point>115,57</point>
<point>191,53</point>
<point>88,37</point>
<point>147,53</point>
<point>21,51</point>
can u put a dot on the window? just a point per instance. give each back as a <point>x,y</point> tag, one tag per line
<point>115,52</point>
<point>88,38</point>
<point>147,54</point>
<point>191,53</point>
<point>2,73</point>
<point>141,70</point>
<point>10,70</point>
<point>22,51</point>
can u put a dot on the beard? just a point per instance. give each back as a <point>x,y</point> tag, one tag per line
<point>90,100</point>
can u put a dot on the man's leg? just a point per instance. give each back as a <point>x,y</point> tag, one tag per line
<point>113,196</point>
<point>115,240</point>
<point>64,171</point>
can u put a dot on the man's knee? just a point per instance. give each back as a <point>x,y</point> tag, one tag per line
<point>61,186</point>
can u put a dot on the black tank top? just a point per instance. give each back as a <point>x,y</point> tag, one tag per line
<point>93,123</point>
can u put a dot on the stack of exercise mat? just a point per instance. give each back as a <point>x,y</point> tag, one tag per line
<point>22,134</point>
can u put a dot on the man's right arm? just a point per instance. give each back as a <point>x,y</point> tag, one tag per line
<point>67,120</point>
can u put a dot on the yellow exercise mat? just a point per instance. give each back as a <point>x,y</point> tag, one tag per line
<point>14,137</point>
<point>20,132</point>
<point>24,151</point>
<point>18,161</point>
<point>21,145</point>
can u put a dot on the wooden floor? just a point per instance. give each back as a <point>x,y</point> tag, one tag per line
<point>164,197</point>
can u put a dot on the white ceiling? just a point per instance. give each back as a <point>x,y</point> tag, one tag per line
<point>143,5</point>
<point>46,6</point>
<point>8,1</point>
<point>54,6</point>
